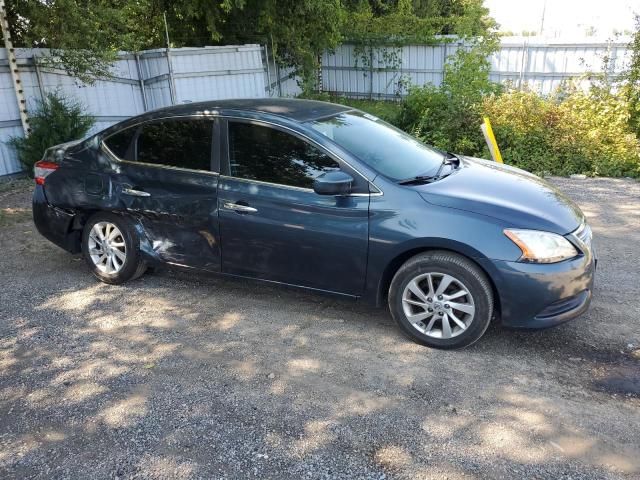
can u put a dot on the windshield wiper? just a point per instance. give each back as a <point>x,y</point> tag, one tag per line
<point>417,180</point>
<point>420,179</point>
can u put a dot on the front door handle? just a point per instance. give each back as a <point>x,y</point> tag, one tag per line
<point>239,208</point>
<point>135,193</point>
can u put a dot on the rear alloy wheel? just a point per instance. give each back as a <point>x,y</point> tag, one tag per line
<point>107,248</point>
<point>442,300</point>
<point>111,248</point>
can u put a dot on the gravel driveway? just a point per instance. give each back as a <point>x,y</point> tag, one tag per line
<point>180,375</point>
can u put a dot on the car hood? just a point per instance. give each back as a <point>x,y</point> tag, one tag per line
<point>514,196</point>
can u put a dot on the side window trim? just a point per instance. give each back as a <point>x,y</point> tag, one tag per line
<point>133,147</point>
<point>216,147</point>
<point>225,172</point>
<point>215,154</point>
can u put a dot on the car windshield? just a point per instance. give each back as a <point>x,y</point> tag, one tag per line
<point>383,147</point>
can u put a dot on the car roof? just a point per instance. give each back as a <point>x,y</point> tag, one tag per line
<point>291,108</point>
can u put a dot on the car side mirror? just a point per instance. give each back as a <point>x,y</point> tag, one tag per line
<point>335,182</point>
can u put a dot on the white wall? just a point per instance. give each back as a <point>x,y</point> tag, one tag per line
<point>212,73</point>
<point>542,65</point>
<point>208,73</point>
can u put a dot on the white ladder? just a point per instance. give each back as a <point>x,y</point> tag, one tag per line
<point>13,68</point>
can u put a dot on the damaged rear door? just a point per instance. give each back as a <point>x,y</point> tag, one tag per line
<point>166,177</point>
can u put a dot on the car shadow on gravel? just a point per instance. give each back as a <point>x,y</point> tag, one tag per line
<point>161,373</point>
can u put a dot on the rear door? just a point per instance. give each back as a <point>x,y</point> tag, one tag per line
<point>167,178</point>
<point>275,227</point>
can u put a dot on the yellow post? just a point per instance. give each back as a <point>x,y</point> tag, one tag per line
<point>490,138</point>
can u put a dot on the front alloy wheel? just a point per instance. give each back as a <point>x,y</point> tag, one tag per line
<point>441,299</point>
<point>438,305</point>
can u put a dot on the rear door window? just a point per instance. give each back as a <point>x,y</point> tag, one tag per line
<point>266,154</point>
<point>121,144</point>
<point>183,143</point>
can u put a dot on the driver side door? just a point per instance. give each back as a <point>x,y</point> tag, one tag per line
<point>273,226</point>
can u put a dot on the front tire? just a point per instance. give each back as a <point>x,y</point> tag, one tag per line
<point>111,248</point>
<point>442,300</point>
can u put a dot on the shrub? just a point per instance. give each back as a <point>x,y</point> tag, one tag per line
<point>570,132</point>
<point>57,119</point>
<point>434,117</point>
<point>631,80</point>
<point>449,116</point>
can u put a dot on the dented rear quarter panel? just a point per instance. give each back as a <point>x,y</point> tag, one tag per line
<point>177,222</point>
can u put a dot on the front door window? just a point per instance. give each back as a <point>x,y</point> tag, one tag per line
<point>270,155</point>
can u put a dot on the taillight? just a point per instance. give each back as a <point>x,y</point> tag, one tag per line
<point>43,168</point>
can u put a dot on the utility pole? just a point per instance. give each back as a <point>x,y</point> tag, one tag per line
<point>544,10</point>
<point>13,68</point>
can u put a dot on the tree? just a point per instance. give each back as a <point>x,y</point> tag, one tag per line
<point>299,30</point>
<point>84,37</point>
<point>632,80</point>
<point>422,18</point>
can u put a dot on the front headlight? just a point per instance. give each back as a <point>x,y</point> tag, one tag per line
<point>541,247</point>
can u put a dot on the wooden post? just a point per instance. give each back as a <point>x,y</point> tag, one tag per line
<point>172,85</point>
<point>276,67</point>
<point>36,66</point>
<point>142,90</point>
<point>370,73</point>
<point>523,63</point>
<point>13,68</point>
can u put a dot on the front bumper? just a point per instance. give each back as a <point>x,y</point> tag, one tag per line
<point>543,295</point>
<point>562,310</point>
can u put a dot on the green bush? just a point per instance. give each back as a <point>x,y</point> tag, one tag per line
<point>434,117</point>
<point>570,132</point>
<point>57,119</point>
<point>594,132</point>
<point>449,116</point>
<point>630,87</point>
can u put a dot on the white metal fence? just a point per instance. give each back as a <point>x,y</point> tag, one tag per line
<point>140,83</point>
<point>145,82</point>
<point>541,65</point>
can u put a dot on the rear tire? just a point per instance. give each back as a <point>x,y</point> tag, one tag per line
<point>111,248</point>
<point>442,300</point>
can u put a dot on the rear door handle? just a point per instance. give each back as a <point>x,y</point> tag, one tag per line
<point>135,193</point>
<point>239,208</point>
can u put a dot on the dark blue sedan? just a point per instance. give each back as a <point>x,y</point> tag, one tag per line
<point>324,197</point>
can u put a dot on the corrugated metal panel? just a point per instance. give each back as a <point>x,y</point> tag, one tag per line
<point>238,71</point>
<point>288,85</point>
<point>10,125</point>
<point>8,104</point>
<point>200,74</point>
<point>540,65</point>
<point>8,159</point>
<point>207,73</point>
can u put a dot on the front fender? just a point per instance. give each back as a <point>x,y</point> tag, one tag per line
<point>395,237</point>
